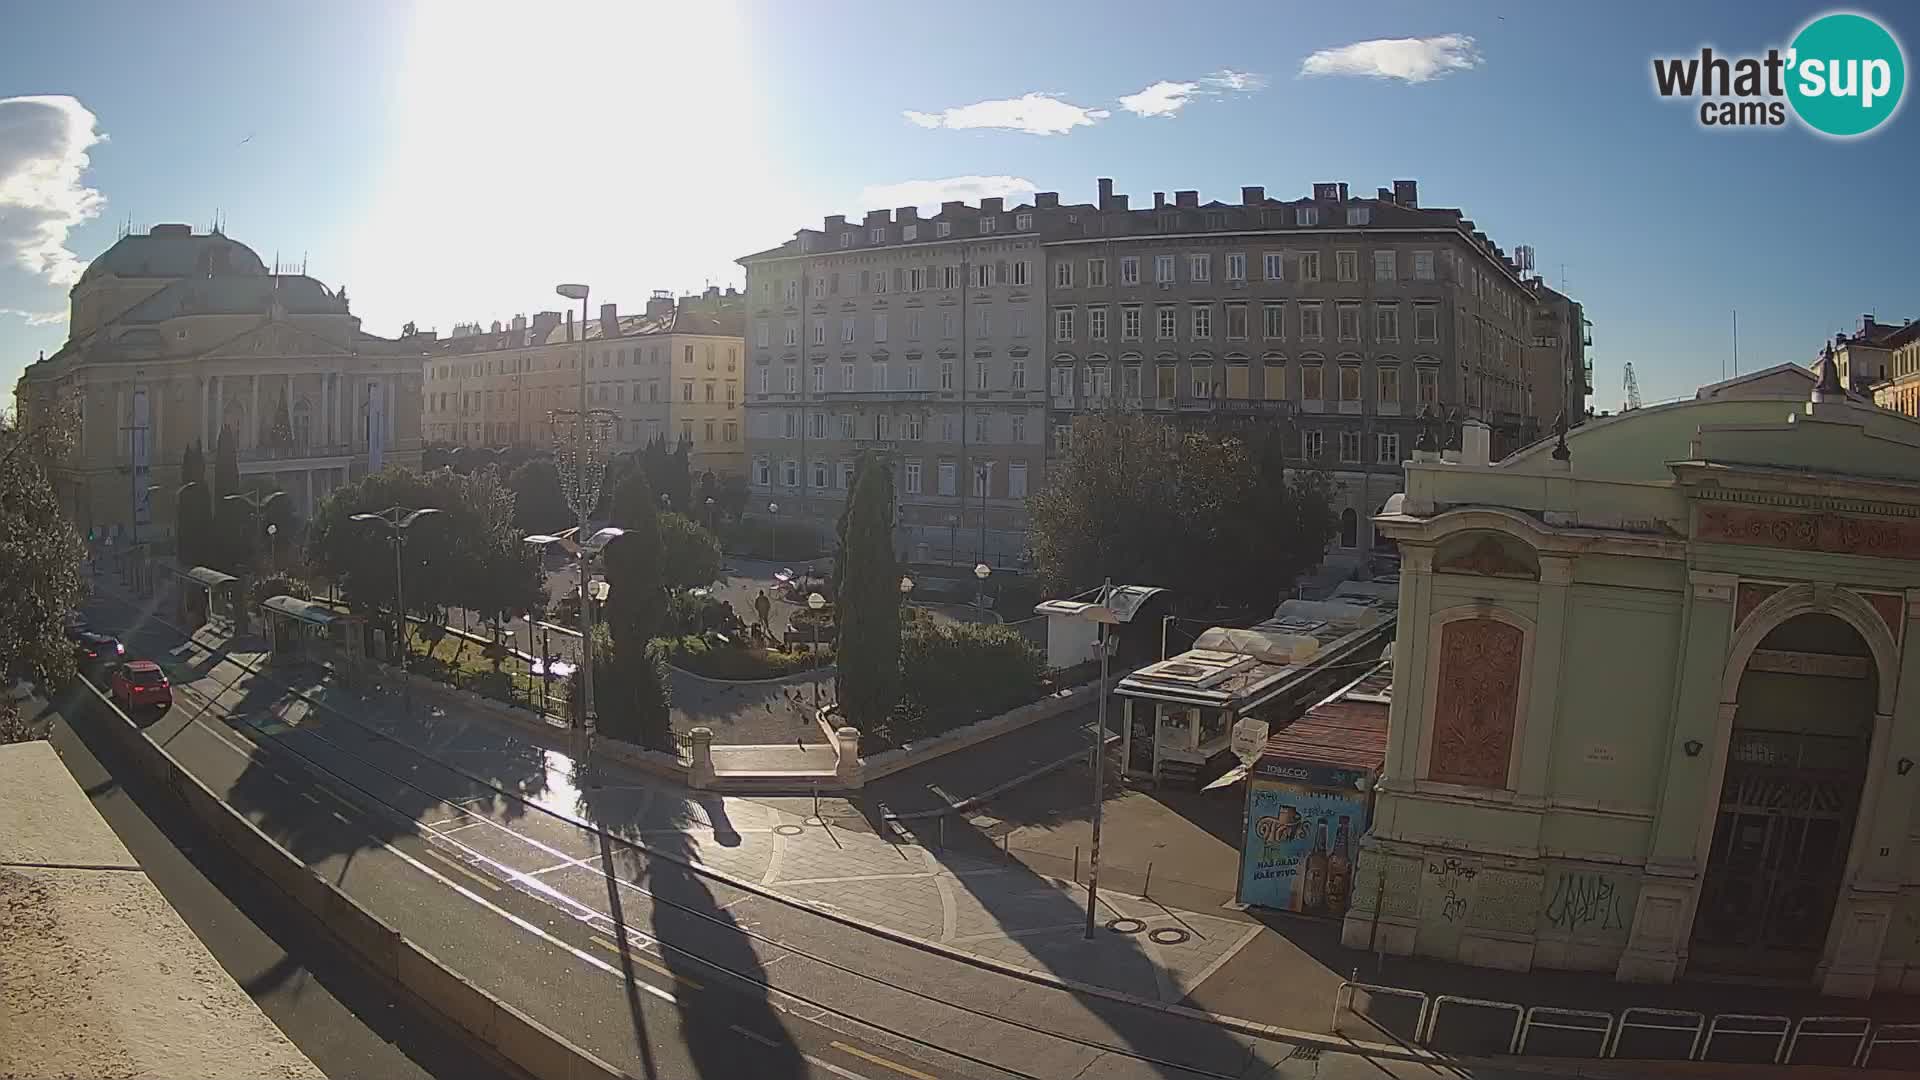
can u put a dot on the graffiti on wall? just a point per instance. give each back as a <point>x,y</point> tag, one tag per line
<point>1581,901</point>
<point>1454,880</point>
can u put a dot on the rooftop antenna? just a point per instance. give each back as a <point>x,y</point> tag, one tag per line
<point>1736,343</point>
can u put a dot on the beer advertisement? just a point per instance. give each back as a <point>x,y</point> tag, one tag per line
<point>1300,847</point>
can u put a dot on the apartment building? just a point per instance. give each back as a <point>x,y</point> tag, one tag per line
<point>673,371</point>
<point>1338,317</point>
<point>917,338</point>
<point>1557,360</point>
<point>1898,387</point>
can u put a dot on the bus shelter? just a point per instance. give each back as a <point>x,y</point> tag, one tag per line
<point>207,596</point>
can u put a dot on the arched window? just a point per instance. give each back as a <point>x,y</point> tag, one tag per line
<point>1349,528</point>
<point>302,423</point>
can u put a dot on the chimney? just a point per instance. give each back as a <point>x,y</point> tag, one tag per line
<point>519,331</point>
<point>950,207</point>
<point>1867,325</point>
<point>990,206</point>
<point>1343,193</point>
<point>836,222</point>
<point>1251,195</point>
<point>1475,443</point>
<point>660,304</point>
<point>496,326</point>
<point>1106,192</point>
<point>569,324</point>
<point>712,293</point>
<point>544,324</point>
<point>1119,202</point>
<point>879,217</point>
<point>1186,198</point>
<point>609,320</point>
<point>1159,200</point>
<point>907,215</point>
<point>1046,200</point>
<point>1383,195</point>
<point>1407,193</point>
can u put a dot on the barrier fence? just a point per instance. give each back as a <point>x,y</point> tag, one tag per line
<point>1453,1024</point>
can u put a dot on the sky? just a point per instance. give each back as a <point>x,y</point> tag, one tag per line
<point>451,162</point>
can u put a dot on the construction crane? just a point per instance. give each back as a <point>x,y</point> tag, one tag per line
<point>1632,387</point>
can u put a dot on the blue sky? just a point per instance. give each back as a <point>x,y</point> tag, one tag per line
<point>450,162</point>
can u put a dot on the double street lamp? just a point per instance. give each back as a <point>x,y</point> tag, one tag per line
<point>816,604</point>
<point>256,502</point>
<point>397,520</point>
<point>584,723</point>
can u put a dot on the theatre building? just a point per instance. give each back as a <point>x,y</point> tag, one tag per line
<point>1651,709</point>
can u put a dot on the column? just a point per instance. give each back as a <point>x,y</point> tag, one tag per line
<point>324,434</point>
<point>253,415</point>
<point>1543,696</point>
<point>307,510</point>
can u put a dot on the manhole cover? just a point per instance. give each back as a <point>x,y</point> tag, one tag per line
<point>788,830</point>
<point>1125,925</point>
<point>1169,935</point>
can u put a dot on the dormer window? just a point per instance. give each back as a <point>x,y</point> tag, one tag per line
<point>989,224</point>
<point>846,239</point>
<point>1359,215</point>
<point>943,228</point>
<point>1023,222</point>
<point>1306,215</point>
<point>877,235</point>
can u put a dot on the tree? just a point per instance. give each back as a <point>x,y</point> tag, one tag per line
<point>192,512</point>
<point>632,692</point>
<point>867,600</point>
<point>689,554</point>
<point>636,603</point>
<point>226,465</point>
<point>40,553</point>
<point>231,541</point>
<point>539,504</point>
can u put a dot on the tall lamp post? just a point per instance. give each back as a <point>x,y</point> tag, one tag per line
<point>773,531</point>
<point>906,589</point>
<point>983,572</point>
<point>256,503</point>
<point>709,513</point>
<point>589,592</point>
<point>1103,614</point>
<point>816,603</point>
<point>397,520</point>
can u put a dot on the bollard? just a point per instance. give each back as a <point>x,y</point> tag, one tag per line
<point>1076,864</point>
<point>1006,844</point>
<point>1148,886</point>
<point>943,832</point>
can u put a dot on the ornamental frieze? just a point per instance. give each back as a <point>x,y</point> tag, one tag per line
<point>1825,533</point>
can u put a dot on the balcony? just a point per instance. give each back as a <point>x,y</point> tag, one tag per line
<point>875,395</point>
<point>1063,402</point>
<point>878,446</point>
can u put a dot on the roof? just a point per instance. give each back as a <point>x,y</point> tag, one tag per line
<point>1346,731</point>
<point>304,610</point>
<point>142,665</point>
<point>208,576</point>
<point>175,251</point>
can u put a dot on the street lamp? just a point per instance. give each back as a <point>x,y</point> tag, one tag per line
<point>983,572</point>
<point>709,513</point>
<point>906,589</point>
<point>273,561</point>
<point>255,502</point>
<point>773,531</point>
<point>598,590</point>
<point>397,520</point>
<point>1103,614</point>
<point>815,603</point>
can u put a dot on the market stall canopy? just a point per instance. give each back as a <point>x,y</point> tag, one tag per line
<point>305,611</point>
<point>211,578</point>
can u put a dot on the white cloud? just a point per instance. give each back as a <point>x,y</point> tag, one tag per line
<point>929,194</point>
<point>1035,114</point>
<point>37,318</point>
<point>1245,82</point>
<point>43,153</point>
<point>1161,99</point>
<point>1413,60</point>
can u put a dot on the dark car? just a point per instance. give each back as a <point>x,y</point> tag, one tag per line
<point>92,649</point>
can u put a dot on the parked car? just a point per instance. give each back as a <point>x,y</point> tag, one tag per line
<point>140,684</point>
<point>91,649</point>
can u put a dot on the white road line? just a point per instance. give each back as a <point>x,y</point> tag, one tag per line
<point>832,1068</point>
<point>754,1035</point>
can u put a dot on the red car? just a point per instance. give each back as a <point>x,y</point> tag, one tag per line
<point>141,684</point>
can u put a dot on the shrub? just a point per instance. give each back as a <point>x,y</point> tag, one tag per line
<point>955,674</point>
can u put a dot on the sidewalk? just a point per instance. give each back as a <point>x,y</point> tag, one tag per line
<point>966,778</point>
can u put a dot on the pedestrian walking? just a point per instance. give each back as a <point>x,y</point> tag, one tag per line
<point>764,607</point>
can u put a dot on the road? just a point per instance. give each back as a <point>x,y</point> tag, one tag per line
<point>662,969</point>
<point>345,1023</point>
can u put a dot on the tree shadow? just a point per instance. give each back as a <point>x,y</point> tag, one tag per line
<point>748,713</point>
<point>728,1023</point>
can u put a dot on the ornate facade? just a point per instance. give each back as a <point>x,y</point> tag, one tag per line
<point>1653,710</point>
<point>175,336</point>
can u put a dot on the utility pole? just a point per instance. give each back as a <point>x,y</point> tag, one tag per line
<point>1104,614</point>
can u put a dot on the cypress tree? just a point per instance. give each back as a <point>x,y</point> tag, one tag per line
<point>867,601</point>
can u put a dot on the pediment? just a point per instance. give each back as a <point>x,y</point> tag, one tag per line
<point>277,339</point>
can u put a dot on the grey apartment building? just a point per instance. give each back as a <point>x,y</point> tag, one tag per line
<point>1337,318</point>
<point>921,339</point>
<point>964,344</point>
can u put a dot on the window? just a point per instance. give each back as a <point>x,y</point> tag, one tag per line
<point>817,426</point>
<point>1275,316</point>
<point>846,475</point>
<point>1200,268</point>
<point>790,473</point>
<point>793,333</point>
<point>1017,427</point>
<point>1385,266</point>
<point>1427,383</point>
<point>1130,382</point>
<point>1163,269</point>
<point>946,478</point>
<point>1023,222</point>
<point>1312,444</point>
<point>1359,215</point>
<point>911,474</point>
<point>980,371</point>
<point>980,426</point>
<point>1237,266</point>
<point>731,431</point>
<point>1063,383</point>
<point>1018,379</point>
<point>846,376</point>
<point>1063,324</point>
<point>1165,382</point>
<point>879,374</point>
<point>910,232</point>
<point>879,281</point>
<point>1389,448</point>
<point>1017,480</point>
<point>709,431</point>
<point>820,332</point>
<point>949,277</point>
<point>1311,378</point>
<point>1096,273</point>
<point>1062,438</point>
<point>793,291</point>
<point>1203,386</point>
<point>982,473</point>
<point>819,378</point>
<point>820,474</point>
<point>1349,382</point>
<point>1306,215</point>
<point>709,398</point>
<point>846,239</point>
<point>1389,385</point>
<point>946,374</point>
<point>880,326</point>
<point>1099,383</point>
<point>1309,266</point>
<point>1310,322</point>
<point>1130,323</point>
<point>946,324</point>
<point>943,228</point>
<point>1270,266</point>
<point>1348,322</point>
<point>760,334</point>
<point>983,274</point>
<point>1349,449</point>
<point>1019,268</point>
<point>1346,265</point>
<point>846,331</point>
<point>1019,322</point>
<point>913,376</point>
<point>1386,322</point>
<point>1426,323</point>
<point>883,426</point>
<point>989,224</point>
<point>1169,322</point>
<point>1423,266</point>
<point>686,390</point>
<point>1130,270</point>
<point>762,471</point>
<point>1063,275</point>
<point>910,426</point>
<point>1202,322</point>
<point>1236,322</point>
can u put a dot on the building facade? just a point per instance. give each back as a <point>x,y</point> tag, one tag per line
<point>1899,388</point>
<point>917,338</point>
<point>1651,712</point>
<point>176,335</point>
<point>674,372</point>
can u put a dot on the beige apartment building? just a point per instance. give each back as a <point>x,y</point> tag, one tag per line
<point>917,338</point>
<point>175,335</point>
<point>673,371</point>
<point>1338,318</point>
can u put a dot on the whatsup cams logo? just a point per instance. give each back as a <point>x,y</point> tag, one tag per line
<point>1843,75</point>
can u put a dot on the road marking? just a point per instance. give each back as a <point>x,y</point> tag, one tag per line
<point>754,1035</point>
<point>880,1061</point>
<point>464,869</point>
<point>340,817</point>
<point>644,962</point>
<point>309,796</point>
<point>832,1068</point>
<point>331,794</point>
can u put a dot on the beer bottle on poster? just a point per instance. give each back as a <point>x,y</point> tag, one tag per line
<point>1340,869</point>
<point>1315,886</point>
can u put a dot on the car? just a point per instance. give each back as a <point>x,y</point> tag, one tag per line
<point>91,649</point>
<point>140,684</point>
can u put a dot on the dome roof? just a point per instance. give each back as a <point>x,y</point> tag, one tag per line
<point>174,251</point>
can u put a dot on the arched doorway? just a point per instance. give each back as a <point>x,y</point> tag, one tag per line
<point>1796,763</point>
<point>1349,528</point>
